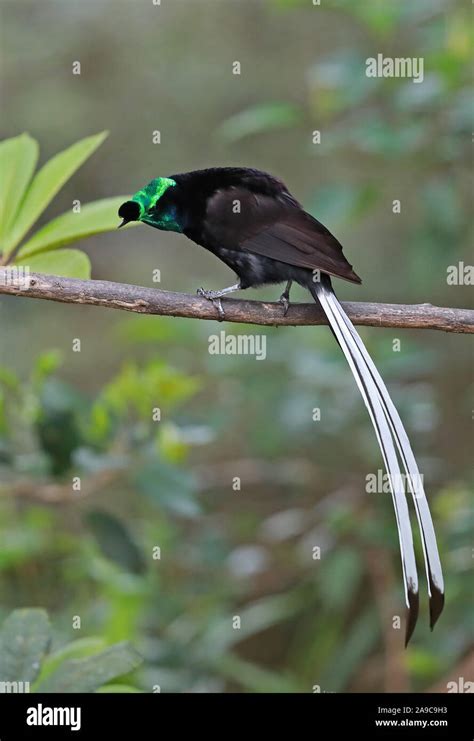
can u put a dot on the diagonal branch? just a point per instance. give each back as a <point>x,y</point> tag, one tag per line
<point>165,303</point>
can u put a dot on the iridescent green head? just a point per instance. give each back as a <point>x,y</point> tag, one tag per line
<point>154,205</point>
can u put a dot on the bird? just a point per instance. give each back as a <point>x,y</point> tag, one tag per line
<point>250,220</point>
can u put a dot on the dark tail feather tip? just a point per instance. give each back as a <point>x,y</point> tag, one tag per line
<point>412,615</point>
<point>436,605</point>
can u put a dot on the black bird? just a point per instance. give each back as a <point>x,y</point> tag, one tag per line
<point>249,220</point>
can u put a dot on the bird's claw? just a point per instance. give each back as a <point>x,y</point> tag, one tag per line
<point>284,300</point>
<point>218,304</point>
<point>210,295</point>
<point>214,297</point>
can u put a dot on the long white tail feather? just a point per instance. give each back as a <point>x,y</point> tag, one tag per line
<point>428,538</point>
<point>371,396</point>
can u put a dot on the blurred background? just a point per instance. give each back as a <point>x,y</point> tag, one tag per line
<point>305,622</point>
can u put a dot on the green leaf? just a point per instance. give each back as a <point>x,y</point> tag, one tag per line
<point>94,218</point>
<point>170,487</point>
<point>47,182</point>
<point>78,649</point>
<point>115,541</point>
<point>258,119</point>
<point>67,263</point>
<point>87,675</point>
<point>24,640</point>
<point>18,158</point>
<point>45,365</point>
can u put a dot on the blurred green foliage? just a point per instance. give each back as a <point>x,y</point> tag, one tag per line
<point>84,665</point>
<point>25,196</point>
<point>157,548</point>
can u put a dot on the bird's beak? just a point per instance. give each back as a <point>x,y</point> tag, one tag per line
<point>122,224</point>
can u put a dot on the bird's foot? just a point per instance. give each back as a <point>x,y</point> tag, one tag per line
<point>210,295</point>
<point>215,298</point>
<point>284,300</point>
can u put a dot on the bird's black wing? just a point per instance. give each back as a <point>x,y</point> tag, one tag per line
<point>274,226</point>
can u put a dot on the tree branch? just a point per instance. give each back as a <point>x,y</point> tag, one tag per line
<point>165,303</point>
